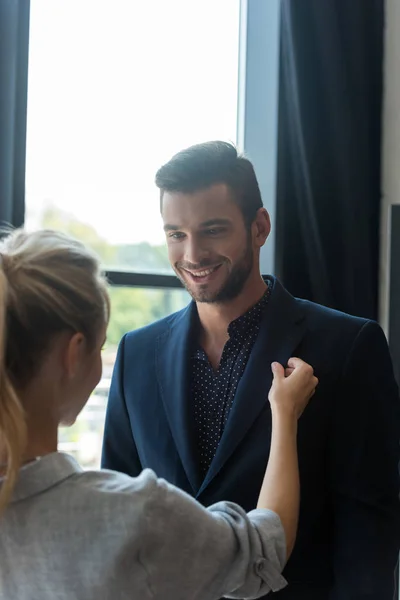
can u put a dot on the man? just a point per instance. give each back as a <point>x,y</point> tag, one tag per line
<point>189,393</point>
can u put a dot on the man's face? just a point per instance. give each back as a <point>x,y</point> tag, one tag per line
<point>209,246</point>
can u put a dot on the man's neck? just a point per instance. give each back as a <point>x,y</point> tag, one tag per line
<point>216,318</point>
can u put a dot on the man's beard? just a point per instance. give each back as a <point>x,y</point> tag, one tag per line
<point>233,285</point>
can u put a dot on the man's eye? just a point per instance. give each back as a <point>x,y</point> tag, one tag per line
<point>176,236</point>
<point>214,231</point>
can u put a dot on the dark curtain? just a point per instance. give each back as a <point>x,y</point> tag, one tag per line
<point>329,152</point>
<point>14,35</point>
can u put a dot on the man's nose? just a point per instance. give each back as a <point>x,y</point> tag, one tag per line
<point>195,251</point>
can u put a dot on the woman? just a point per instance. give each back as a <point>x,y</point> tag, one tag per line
<point>65,533</point>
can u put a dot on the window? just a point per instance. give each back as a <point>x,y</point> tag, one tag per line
<point>115,88</point>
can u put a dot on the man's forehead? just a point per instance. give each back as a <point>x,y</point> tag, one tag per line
<point>211,203</point>
<point>211,222</point>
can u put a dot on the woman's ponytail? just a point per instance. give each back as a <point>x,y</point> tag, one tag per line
<point>12,418</point>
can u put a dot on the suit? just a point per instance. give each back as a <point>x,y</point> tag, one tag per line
<point>348,438</point>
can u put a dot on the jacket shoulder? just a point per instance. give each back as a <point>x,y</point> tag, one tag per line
<point>336,325</point>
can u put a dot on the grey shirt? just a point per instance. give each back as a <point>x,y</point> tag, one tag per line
<point>94,535</point>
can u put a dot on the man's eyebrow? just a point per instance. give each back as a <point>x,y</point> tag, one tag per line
<point>208,223</point>
<point>216,221</point>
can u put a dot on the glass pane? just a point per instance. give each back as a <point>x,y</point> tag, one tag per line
<point>130,308</point>
<point>115,88</point>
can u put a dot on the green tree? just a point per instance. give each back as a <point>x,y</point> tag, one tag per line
<point>143,257</point>
<point>54,218</point>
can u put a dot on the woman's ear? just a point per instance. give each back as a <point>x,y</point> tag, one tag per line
<point>73,355</point>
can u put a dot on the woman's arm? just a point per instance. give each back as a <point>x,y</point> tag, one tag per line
<point>189,551</point>
<point>280,491</point>
<point>281,487</point>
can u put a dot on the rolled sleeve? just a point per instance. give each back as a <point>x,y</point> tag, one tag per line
<point>266,551</point>
<point>273,548</point>
<point>193,552</point>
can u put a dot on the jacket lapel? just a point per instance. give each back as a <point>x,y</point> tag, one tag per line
<point>173,353</point>
<point>280,333</point>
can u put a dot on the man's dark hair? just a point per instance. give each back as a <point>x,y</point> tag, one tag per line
<point>204,165</point>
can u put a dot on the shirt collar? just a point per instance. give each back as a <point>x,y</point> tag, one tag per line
<point>242,323</point>
<point>252,317</point>
<point>43,474</point>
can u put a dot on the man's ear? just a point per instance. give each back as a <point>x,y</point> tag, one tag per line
<point>261,227</point>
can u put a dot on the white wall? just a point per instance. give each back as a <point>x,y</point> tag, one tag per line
<point>391,145</point>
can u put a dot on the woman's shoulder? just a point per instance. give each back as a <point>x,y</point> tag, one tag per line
<point>111,486</point>
<point>147,497</point>
<point>112,501</point>
<point>59,480</point>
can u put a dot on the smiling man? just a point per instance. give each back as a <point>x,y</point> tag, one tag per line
<point>189,393</point>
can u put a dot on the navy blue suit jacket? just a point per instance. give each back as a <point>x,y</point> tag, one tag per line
<point>348,438</point>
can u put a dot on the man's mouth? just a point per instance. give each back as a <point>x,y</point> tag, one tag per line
<point>203,275</point>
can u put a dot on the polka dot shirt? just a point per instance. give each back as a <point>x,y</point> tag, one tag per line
<point>214,391</point>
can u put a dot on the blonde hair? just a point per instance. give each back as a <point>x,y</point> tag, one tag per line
<point>49,283</point>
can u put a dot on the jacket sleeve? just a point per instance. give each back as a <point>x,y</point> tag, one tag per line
<point>189,551</point>
<point>364,467</point>
<point>119,451</point>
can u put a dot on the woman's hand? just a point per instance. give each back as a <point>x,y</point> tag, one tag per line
<point>292,387</point>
